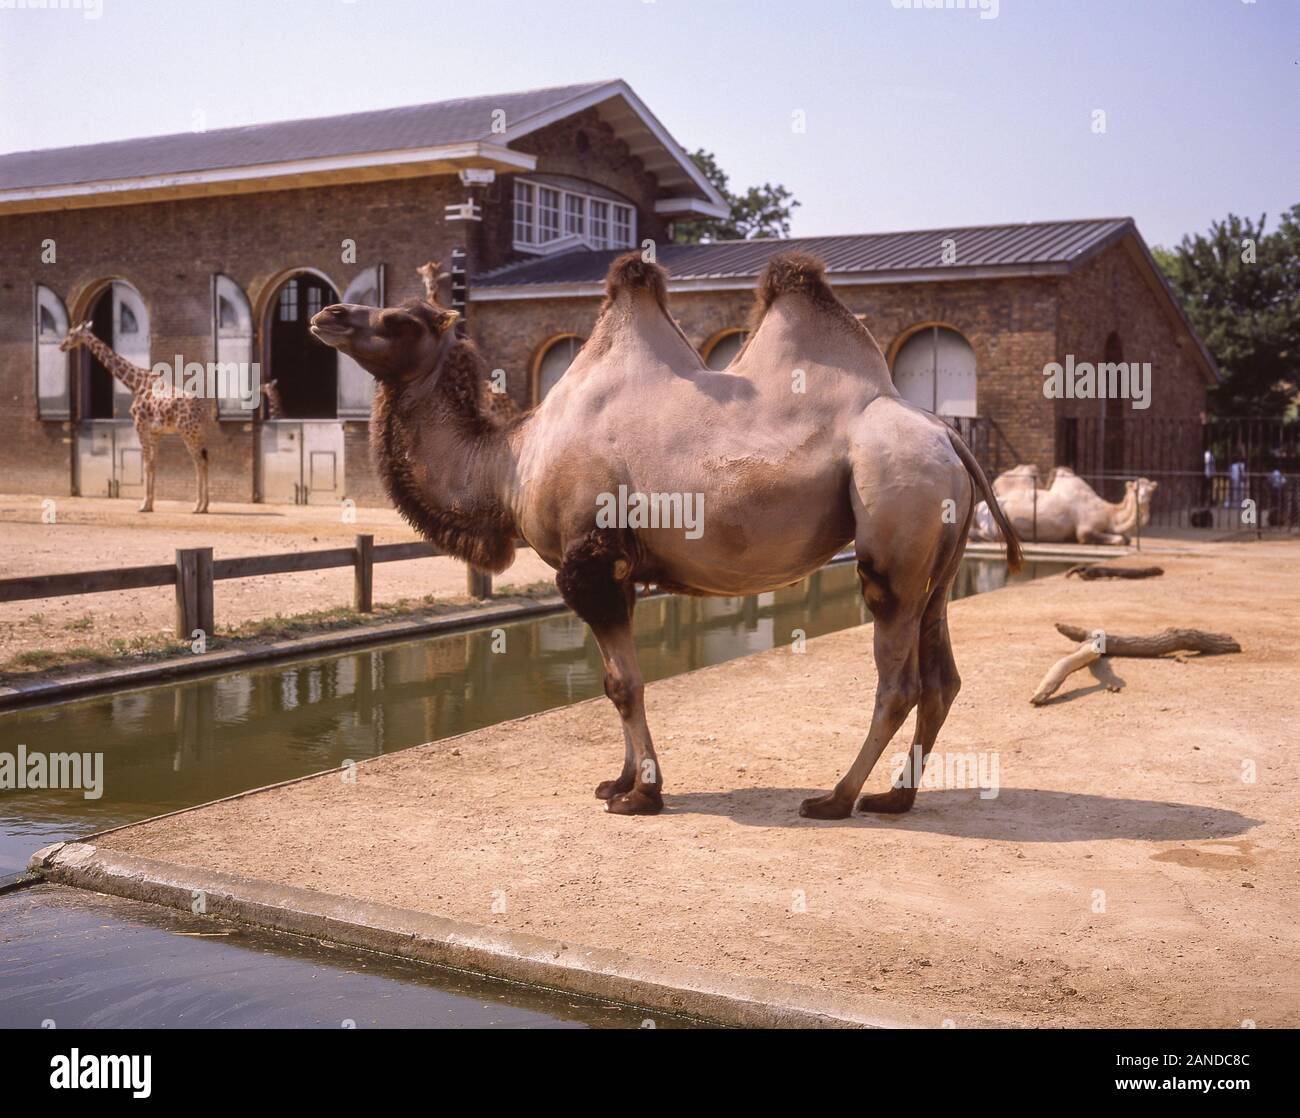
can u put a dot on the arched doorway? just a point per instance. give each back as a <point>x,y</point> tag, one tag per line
<point>552,363</point>
<point>935,369</point>
<point>304,369</point>
<point>723,349</point>
<point>119,319</point>
<point>107,459</point>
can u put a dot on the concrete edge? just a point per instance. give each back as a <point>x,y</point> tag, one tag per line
<point>600,973</point>
<point>21,693</point>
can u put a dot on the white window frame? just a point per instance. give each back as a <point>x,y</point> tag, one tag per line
<point>575,220</point>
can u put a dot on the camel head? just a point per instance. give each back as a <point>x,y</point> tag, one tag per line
<point>76,336</point>
<point>395,345</point>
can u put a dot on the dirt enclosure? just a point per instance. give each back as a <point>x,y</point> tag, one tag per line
<point>1131,859</point>
<point>90,534</point>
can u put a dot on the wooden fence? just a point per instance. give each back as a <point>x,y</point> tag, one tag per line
<point>195,571</point>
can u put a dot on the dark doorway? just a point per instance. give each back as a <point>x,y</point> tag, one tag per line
<point>1112,453</point>
<point>98,380</point>
<point>305,370</point>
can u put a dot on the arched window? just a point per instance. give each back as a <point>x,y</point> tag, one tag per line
<point>305,370</point>
<point>120,319</point>
<point>53,395</point>
<point>356,386</point>
<point>935,369</point>
<point>233,346</point>
<point>557,357</point>
<point>724,349</point>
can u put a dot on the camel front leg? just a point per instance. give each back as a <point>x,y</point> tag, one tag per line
<point>595,580</point>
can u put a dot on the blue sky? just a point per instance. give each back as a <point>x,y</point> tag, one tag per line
<point>914,118</point>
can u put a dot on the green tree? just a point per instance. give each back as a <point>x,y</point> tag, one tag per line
<point>762,211</point>
<point>1240,286</point>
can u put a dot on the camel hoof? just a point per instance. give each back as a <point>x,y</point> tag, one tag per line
<point>608,789</point>
<point>825,807</point>
<point>145,508</point>
<point>894,802</point>
<point>635,803</point>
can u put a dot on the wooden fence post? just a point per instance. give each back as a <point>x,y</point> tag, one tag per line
<point>479,583</point>
<point>364,584</point>
<point>193,592</point>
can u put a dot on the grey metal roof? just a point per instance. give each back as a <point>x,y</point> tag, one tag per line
<point>977,247</point>
<point>408,127</point>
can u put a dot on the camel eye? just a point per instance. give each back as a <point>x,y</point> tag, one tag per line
<point>403,325</point>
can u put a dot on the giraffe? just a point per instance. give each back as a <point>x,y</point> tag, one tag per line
<point>274,408</point>
<point>154,414</point>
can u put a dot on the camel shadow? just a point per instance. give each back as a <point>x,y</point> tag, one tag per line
<point>1015,815</point>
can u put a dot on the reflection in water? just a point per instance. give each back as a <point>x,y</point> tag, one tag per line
<point>181,744</point>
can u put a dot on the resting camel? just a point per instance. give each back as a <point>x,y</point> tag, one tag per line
<point>1070,510</point>
<point>801,446</point>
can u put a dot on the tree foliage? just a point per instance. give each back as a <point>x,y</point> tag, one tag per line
<point>761,211</point>
<point>1240,286</point>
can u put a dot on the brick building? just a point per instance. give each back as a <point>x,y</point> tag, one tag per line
<point>218,246</point>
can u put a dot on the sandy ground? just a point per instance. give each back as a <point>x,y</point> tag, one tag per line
<point>90,534</point>
<point>1127,872</point>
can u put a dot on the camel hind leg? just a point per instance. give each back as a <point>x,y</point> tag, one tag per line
<point>895,634</point>
<point>912,501</point>
<point>199,456</point>
<point>940,683</point>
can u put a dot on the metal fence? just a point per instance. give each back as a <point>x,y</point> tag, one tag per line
<point>1208,470</point>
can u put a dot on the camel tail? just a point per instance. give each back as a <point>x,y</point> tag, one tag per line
<point>1015,553</point>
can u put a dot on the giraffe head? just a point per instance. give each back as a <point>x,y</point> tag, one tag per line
<point>78,335</point>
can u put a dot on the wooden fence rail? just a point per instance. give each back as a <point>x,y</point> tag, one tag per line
<point>195,571</point>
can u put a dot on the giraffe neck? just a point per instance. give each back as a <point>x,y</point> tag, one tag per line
<point>135,378</point>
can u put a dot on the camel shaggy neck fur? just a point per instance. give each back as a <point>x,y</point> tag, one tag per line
<point>800,447</point>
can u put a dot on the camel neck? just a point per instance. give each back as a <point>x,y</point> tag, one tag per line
<point>446,463</point>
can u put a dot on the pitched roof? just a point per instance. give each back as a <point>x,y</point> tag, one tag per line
<point>1045,246</point>
<point>982,252</point>
<point>434,138</point>
<point>412,126</point>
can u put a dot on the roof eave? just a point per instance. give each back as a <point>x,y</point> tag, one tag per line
<point>325,170</point>
<point>589,289</point>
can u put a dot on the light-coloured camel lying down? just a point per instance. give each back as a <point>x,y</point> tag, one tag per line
<point>799,447</point>
<point>1069,510</point>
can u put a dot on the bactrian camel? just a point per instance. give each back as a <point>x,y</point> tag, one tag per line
<point>801,446</point>
<point>1069,510</point>
<point>154,414</point>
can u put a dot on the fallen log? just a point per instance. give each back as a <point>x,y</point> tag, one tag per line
<point>1088,572</point>
<point>1166,641</point>
<point>1096,645</point>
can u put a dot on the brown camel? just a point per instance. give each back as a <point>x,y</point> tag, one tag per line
<point>798,448</point>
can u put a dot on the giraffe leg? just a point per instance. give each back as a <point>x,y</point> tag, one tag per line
<point>149,453</point>
<point>199,454</point>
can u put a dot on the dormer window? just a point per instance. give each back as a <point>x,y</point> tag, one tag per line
<point>554,218</point>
